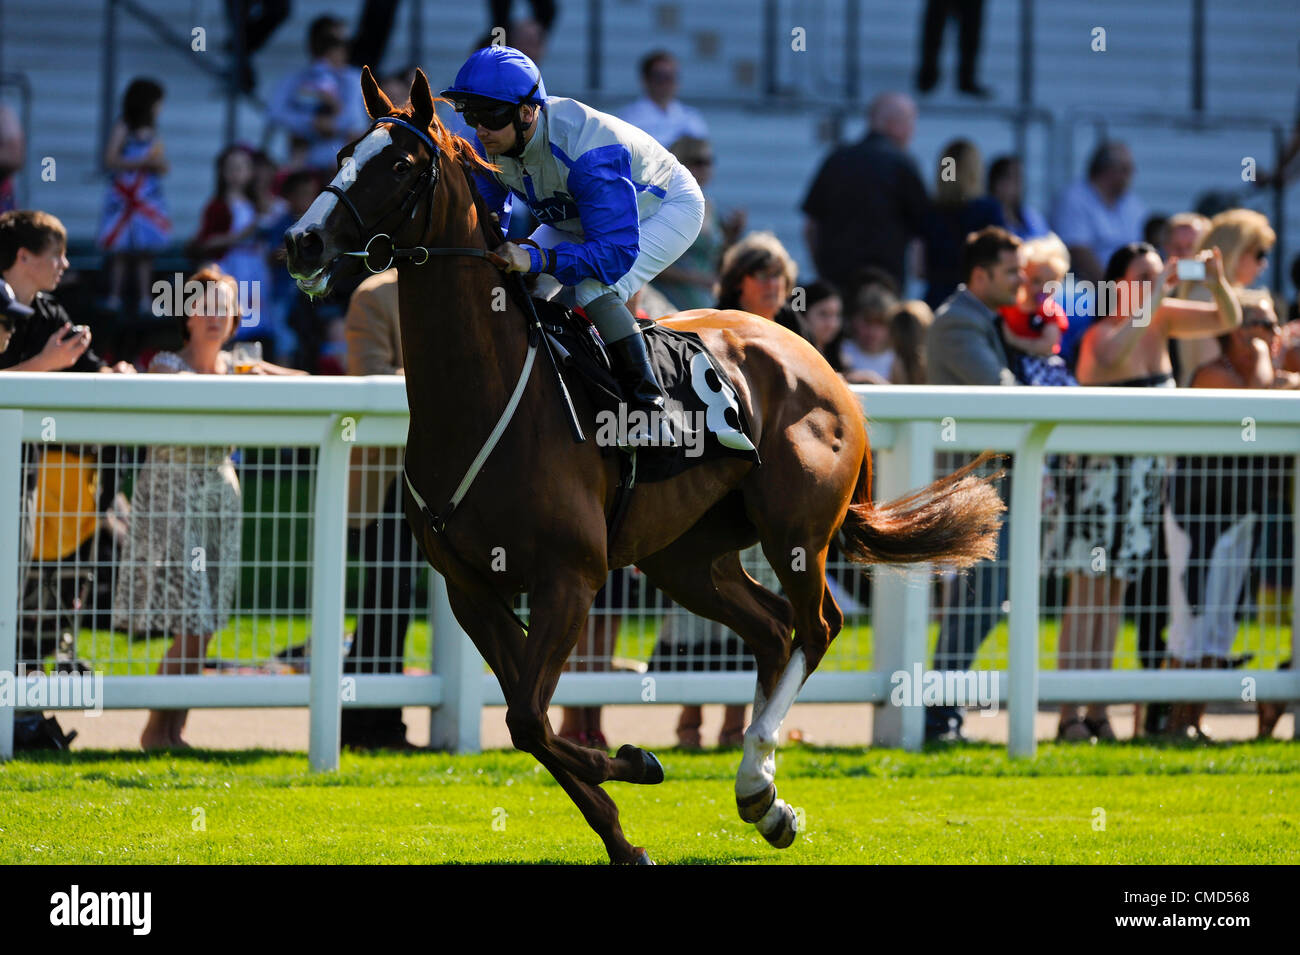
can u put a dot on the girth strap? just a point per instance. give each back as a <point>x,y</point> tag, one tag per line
<point>440,521</point>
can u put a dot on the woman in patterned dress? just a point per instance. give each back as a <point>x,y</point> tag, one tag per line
<point>180,564</point>
<point>1114,502</point>
<point>134,224</point>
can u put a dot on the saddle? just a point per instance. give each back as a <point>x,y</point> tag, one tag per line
<point>702,404</point>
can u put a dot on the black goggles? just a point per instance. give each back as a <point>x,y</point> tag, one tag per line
<point>491,116</point>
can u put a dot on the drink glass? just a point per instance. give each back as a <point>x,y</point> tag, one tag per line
<point>247,356</point>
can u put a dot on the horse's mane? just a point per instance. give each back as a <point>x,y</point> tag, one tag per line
<point>462,151</point>
<point>451,145</point>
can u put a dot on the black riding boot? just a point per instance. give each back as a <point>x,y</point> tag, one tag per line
<point>642,392</point>
<point>632,368</point>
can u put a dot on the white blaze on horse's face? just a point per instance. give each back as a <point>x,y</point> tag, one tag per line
<point>375,142</point>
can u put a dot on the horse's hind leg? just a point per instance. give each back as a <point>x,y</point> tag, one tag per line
<point>756,796</point>
<point>795,540</point>
<point>722,590</point>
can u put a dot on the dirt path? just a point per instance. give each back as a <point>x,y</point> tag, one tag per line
<point>831,724</point>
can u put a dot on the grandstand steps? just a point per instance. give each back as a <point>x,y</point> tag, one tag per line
<point>767,150</point>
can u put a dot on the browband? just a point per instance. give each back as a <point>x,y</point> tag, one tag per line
<point>398,121</point>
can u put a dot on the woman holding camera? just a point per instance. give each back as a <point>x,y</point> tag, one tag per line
<point>1114,503</point>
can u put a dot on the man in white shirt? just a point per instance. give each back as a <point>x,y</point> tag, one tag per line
<point>658,112</point>
<point>1097,215</point>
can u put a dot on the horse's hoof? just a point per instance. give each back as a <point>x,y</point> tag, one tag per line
<point>784,828</point>
<point>641,858</point>
<point>652,771</point>
<point>755,807</point>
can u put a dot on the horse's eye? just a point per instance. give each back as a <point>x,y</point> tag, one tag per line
<point>401,167</point>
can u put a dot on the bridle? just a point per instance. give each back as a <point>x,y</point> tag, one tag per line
<point>427,183</point>
<point>419,255</point>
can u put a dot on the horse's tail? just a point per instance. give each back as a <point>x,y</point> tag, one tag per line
<point>955,520</point>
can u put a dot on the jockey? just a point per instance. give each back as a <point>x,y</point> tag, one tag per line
<point>616,208</point>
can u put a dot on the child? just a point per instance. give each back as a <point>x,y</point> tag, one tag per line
<point>1034,325</point>
<point>135,224</point>
<point>866,352</point>
<point>822,322</point>
<point>228,235</point>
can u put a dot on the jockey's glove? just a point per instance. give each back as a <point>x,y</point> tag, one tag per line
<point>518,259</point>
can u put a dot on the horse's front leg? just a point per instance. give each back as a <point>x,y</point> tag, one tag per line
<point>499,639</point>
<point>558,612</point>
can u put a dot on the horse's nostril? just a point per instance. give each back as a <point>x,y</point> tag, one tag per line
<point>311,245</point>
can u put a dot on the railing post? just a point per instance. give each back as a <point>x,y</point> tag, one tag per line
<point>1295,595</point>
<point>11,486</point>
<point>1279,216</point>
<point>328,581</point>
<point>107,80</point>
<point>454,725</point>
<point>595,27</point>
<point>1026,55</point>
<point>1026,531</point>
<point>852,52</point>
<point>900,599</point>
<point>770,55</point>
<point>416,29</point>
<point>238,61</point>
<point>1197,48</point>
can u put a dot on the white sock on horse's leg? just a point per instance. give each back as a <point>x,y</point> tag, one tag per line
<point>758,764</point>
<point>760,703</point>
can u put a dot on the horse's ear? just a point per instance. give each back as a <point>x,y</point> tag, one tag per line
<point>422,99</point>
<point>377,102</point>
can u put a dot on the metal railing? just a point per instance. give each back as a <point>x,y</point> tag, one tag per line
<point>226,70</point>
<point>907,427</point>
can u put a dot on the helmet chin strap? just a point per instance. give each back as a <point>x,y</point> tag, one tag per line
<point>518,149</point>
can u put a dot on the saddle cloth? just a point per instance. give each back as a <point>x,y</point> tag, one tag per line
<point>702,406</point>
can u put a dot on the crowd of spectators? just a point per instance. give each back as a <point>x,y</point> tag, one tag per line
<point>984,264</point>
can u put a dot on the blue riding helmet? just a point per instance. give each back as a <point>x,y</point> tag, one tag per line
<point>498,73</point>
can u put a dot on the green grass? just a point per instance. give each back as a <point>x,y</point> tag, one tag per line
<point>253,640</point>
<point>1237,803</point>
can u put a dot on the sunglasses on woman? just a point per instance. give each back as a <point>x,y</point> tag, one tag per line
<point>1261,255</point>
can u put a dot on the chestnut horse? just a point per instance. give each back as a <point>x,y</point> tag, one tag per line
<point>543,501</point>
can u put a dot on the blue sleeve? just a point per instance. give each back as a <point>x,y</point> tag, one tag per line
<point>601,183</point>
<point>495,195</point>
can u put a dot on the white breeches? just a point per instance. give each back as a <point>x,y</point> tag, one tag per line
<point>665,235</point>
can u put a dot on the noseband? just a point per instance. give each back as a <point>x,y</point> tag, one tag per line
<point>426,183</point>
